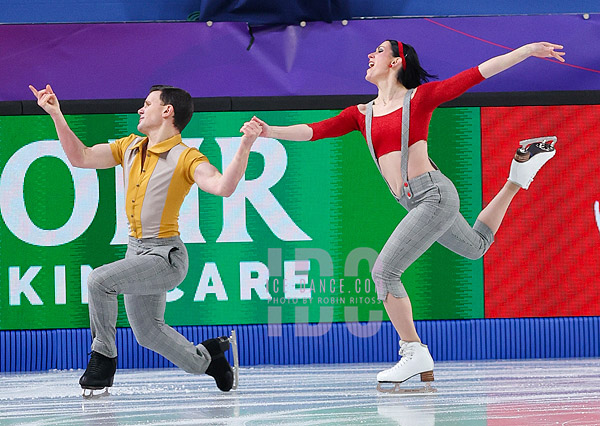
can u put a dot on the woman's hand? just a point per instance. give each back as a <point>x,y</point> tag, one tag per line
<point>265,128</point>
<point>544,49</point>
<point>500,63</point>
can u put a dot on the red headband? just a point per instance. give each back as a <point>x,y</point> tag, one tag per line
<point>401,50</point>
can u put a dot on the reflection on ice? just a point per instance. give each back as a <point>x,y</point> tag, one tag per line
<point>532,392</point>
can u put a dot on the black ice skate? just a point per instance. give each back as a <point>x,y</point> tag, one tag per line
<point>98,375</point>
<point>225,376</point>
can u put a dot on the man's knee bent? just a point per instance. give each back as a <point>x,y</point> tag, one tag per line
<point>97,280</point>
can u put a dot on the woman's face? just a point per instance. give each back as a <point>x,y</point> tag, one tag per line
<point>380,61</point>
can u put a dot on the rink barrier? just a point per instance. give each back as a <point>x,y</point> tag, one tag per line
<point>285,344</point>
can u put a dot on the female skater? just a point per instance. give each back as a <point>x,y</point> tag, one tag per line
<point>395,126</point>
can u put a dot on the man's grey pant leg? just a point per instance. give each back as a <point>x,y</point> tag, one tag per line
<point>151,268</point>
<point>146,316</point>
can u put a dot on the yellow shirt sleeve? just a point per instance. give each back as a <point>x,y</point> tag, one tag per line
<point>193,157</point>
<point>119,146</point>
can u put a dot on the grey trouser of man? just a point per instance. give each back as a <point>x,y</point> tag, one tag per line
<point>151,267</point>
<point>433,215</point>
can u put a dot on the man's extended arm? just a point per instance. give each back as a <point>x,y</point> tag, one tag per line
<point>95,157</point>
<point>209,179</point>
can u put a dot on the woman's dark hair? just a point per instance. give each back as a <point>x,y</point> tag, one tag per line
<point>183,106</point>
<point>414,75</point>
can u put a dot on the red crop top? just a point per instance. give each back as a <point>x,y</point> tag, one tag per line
<point>386,130</point>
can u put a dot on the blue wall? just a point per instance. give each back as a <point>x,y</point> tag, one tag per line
<point>516,338</point>
<point>52,11</point>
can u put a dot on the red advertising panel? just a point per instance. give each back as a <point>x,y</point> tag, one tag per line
<point>546,258</point>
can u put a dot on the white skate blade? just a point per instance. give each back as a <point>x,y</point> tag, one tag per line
<point>426,380</point>
<point>397,389</point>
<point>236,360</point>
<point>525,143</point>
<point>89,393</point>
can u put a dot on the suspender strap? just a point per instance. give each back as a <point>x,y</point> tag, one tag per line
<point>368,120</point>
<point>404,141</point>
<point>404,144</point>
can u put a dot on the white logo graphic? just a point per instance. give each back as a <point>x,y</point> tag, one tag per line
<point>12,202</point>
<point>86,184</point>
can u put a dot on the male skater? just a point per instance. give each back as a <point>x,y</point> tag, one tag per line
<point>158,171</point>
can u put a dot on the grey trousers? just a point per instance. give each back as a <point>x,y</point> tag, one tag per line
<point>433,215</point>
<point>151,267</point>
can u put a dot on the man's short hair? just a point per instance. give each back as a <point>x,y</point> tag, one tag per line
<point>183,106</point>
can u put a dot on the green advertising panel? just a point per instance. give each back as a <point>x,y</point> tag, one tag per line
<point>294,243</point>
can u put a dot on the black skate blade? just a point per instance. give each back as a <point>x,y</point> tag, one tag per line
<point>88,393</point>
<point>396,389</point>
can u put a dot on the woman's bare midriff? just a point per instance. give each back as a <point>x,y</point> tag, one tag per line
<point>418,163</point>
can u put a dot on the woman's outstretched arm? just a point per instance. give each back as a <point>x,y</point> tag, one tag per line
<point>296,132</point>
<point>540,50</point>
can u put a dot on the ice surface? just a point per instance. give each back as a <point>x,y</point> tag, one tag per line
<point>530,392</point>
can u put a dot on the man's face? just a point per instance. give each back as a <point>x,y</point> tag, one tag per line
<point>151,114</point>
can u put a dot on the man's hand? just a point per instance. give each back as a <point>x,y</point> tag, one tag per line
<point>208,178</point>
<point>47,100</point>
<point>251,130</point>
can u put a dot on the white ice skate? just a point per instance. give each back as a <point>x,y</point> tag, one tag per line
<point>416,359</point>
<point>530,158</point>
